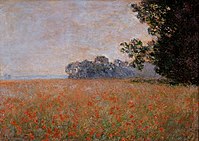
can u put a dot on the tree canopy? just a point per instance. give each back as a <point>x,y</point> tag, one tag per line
<point>175,24</point>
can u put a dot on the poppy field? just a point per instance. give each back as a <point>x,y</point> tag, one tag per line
<point>97,110</point>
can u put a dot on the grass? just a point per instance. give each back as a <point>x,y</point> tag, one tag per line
<point>102,109</point>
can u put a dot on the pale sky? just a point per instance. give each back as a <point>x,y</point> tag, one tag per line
<point>40,37</point>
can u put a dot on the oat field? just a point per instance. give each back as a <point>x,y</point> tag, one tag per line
<point>97,110</point>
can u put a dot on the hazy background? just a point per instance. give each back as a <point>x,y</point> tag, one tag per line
<point>40,37</point>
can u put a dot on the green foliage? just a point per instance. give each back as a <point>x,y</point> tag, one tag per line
<point>175,24</point>
<point>137,52</point>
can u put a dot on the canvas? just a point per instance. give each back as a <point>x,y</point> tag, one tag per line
<point>63,76</point>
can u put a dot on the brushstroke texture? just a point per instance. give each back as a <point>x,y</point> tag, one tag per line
<point>42,37</point>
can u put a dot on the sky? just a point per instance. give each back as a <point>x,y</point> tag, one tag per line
<point>40,37</point>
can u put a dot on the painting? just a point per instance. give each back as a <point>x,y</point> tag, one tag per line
<point>89,70</point>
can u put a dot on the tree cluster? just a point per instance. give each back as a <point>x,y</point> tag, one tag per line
<point>99,68</point>
<point>175,24</point>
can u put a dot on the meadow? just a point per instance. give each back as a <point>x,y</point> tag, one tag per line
<point>97,110</point>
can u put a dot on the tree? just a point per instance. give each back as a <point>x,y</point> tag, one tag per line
<point>175,24</point>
